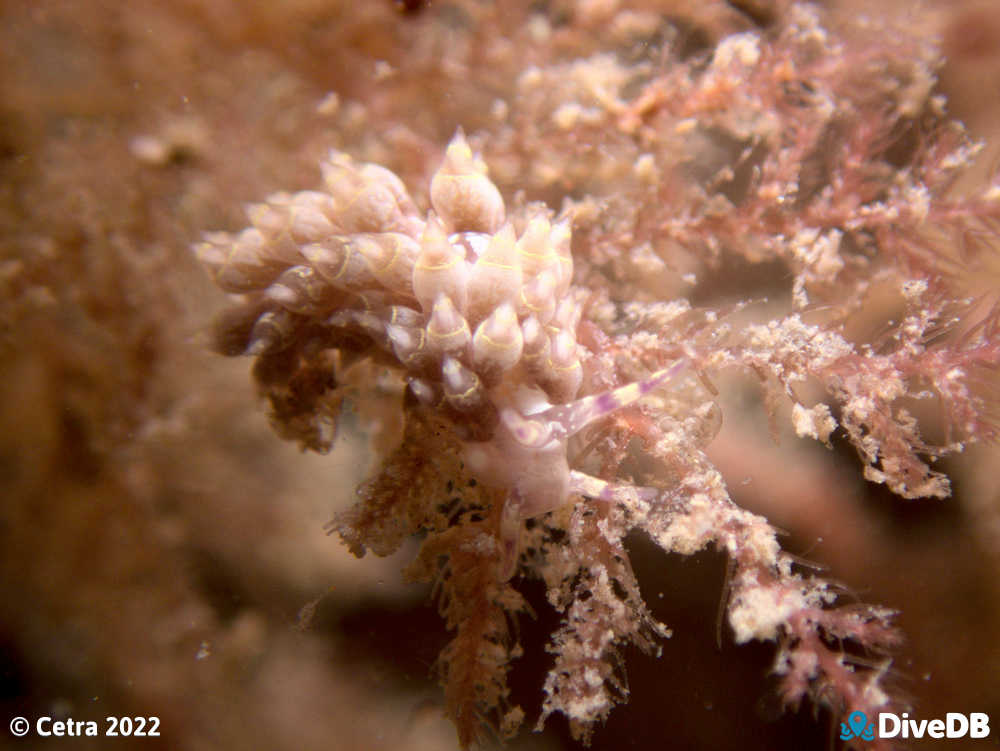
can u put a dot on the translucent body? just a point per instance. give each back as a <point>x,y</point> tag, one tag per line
<point>527,454</point>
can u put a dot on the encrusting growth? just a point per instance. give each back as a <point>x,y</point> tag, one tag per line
<point>544,382</point>
<point>483,323</point>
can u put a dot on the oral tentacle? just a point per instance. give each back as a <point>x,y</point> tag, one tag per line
<point>602,490</point>
<point>510,534</point>
<point>568,419</point>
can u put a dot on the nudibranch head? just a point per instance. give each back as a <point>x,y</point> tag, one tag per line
<point>528,432</point>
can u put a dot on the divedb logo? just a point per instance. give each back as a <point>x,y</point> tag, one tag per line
<point>890,725</point>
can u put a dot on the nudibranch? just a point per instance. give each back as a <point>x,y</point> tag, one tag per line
<point>474,306</point>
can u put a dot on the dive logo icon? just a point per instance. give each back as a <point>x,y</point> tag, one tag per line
<point>857,726</point>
